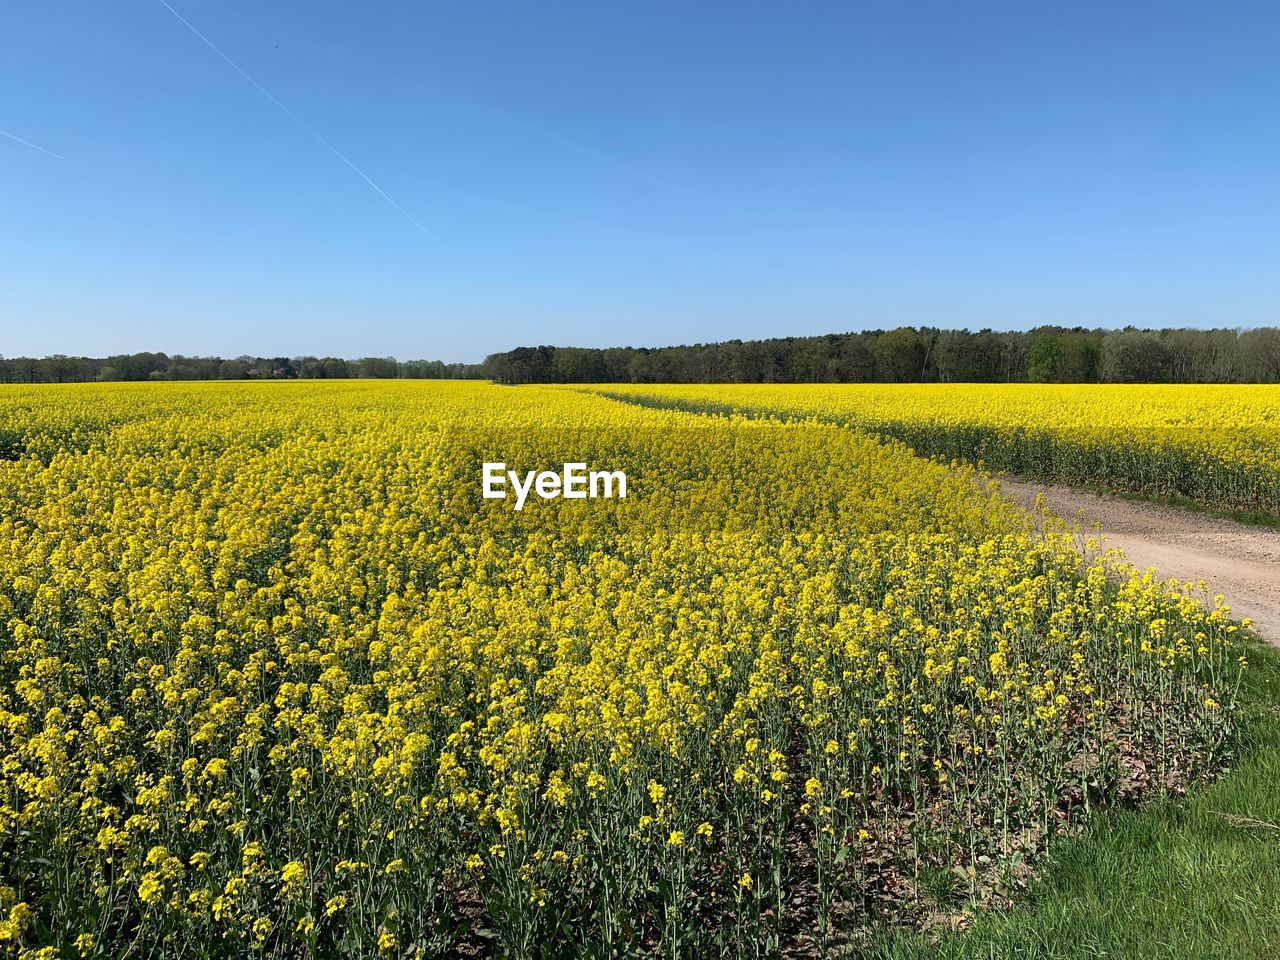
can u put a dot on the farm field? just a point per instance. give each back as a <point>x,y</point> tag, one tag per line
<point>276,680</point>
<point>1209,445</point>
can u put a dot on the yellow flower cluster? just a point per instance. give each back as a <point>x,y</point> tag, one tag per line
<point>275,679</point>
<point>1217,445</point>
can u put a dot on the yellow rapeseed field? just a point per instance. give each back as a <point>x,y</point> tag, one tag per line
<point>276,680</point>
<point>1217,445</point>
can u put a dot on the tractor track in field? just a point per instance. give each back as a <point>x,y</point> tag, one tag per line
<point>1237,560</point>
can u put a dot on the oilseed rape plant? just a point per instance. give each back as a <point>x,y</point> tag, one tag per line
<point>277,680</point>
<point>1214,445</point>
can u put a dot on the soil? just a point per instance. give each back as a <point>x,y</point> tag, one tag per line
<point>1239,561</point>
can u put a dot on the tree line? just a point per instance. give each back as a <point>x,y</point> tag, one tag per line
<point>902,355</point>
<point>919,355</point>
<point>161,366</point>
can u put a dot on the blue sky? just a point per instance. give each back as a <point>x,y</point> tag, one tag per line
<point>649,173</point>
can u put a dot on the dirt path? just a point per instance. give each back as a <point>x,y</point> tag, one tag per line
<point>1239,561</point>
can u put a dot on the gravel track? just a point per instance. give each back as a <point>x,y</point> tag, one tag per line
<point>1237,560</point>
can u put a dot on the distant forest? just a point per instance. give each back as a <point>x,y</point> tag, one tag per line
<point>923,355</point>
<point>904,355</point>
<point>162,366</point>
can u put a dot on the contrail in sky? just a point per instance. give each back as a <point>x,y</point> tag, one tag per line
<point>33,146</point>
<point>292,116</point>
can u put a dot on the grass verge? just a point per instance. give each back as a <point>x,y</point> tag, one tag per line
<point>1189,877</point>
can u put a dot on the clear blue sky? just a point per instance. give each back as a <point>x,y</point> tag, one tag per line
<point>643,173</point>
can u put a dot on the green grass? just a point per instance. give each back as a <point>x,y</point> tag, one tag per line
<point>1186,878</point>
